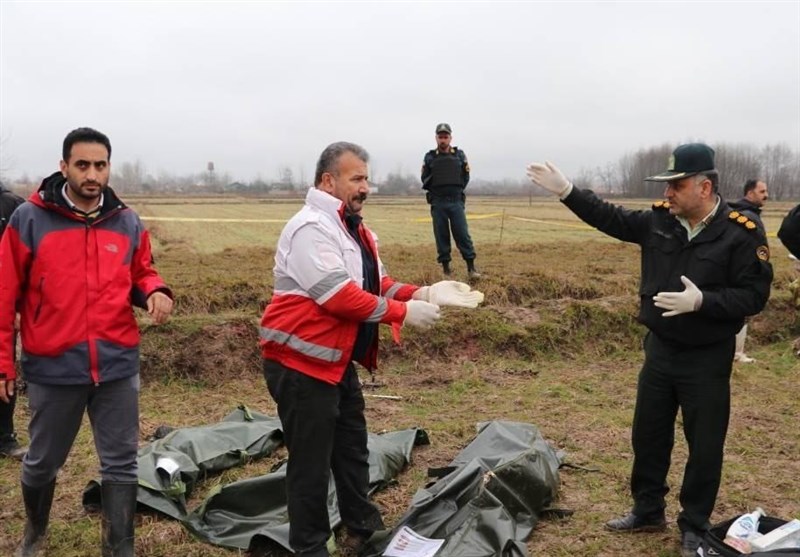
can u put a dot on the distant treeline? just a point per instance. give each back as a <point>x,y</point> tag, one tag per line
<point>777,165</point>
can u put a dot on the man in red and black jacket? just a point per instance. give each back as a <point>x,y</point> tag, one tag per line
<point>73,261</point>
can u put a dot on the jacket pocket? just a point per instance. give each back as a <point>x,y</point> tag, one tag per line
<point>658,254</point>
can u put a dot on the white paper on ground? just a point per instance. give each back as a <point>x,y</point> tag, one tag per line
<point>407,543</point>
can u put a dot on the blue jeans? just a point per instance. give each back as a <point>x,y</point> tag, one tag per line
<point>448,214</point>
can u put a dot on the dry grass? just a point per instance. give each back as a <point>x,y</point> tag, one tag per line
<point>555,345</point>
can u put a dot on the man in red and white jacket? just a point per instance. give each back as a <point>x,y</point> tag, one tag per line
<point>73,260</point>
<point>330,294</point>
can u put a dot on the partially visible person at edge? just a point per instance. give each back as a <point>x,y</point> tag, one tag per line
<point>75,258</point>
<point>331,291</point>
<point>9,446</point>
<point>789,235</point>
<point>445,175</point>
<point>704,269</point>
<point>755,196</point>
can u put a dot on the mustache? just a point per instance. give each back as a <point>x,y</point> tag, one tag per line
<point>360,197</point>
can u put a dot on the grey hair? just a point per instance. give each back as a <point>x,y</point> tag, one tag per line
<point>712,176</point>
<point>329,159</point>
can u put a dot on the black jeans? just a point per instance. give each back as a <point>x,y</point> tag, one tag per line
<point>449,214</point>
<point>325,431</point>
<point>696,380</point>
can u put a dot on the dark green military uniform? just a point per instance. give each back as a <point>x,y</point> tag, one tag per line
<point>445,175</point>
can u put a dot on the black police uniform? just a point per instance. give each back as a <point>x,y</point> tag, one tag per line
<point>748,209</point>
<point>789,232</point>
<point>688,357</point>
<point>445,175</point>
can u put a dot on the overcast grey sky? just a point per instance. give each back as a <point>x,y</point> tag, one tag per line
<point>253,86</point>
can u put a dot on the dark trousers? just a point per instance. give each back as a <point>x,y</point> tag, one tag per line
<point>325,431</point>
<point>448,214</point>
<point>696,380</point>
<point>56,415</point>
<point>7,418</point>
<point>7,409</point>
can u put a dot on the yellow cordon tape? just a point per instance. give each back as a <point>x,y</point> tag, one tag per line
<point>193,219</point>
<point>470,216</point>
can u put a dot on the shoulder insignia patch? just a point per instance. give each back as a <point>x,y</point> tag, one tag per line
<point>762,252</point>
<point>661,204</point>
<point>738,218</point>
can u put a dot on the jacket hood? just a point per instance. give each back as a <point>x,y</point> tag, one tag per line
<point>49,194</point>
<point>745,205</point>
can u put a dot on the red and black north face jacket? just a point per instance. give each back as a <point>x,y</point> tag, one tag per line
<point>74,281</point>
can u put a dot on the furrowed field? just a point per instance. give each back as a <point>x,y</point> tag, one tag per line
<point>556,344</point>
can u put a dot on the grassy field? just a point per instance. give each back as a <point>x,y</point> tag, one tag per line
<point>556,344</point>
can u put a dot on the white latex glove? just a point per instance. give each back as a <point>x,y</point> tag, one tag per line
<point>549,177</point>
<point>450,293</point>
<point>421,314</point>
<point>677,303</point>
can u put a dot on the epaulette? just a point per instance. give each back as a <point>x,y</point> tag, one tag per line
<point>742,220</point>
<point>661,204</point>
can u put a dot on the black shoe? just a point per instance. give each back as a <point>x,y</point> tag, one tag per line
<point>446,269</point>
<point>690,542</point>
<point>633,523</point>
<point>472,272</point>
<point>10,447</point>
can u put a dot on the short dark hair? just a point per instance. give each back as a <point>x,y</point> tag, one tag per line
<point>750,185</point>
<point>84,135</point>
<point>329,159</point>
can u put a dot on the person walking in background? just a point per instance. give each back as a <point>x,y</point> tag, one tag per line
<point>445,175</point>
<point>9,446</point>
<point>755,196</point>
<point>331,291</point>
<point>76,258</point>
<point>704,269</point>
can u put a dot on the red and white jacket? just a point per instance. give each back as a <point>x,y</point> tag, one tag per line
<point>73,281</point>
<point>318,302</point>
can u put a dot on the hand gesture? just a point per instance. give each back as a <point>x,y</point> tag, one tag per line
<point>548,177</point>
<point>677,303</point>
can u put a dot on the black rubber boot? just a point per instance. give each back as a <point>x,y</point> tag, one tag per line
<point>38,501</point>
<point>119,506</point>
<point>446,268</point>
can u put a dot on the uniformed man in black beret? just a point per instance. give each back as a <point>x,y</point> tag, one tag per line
<point>445,175</point>
<point>705,267</point>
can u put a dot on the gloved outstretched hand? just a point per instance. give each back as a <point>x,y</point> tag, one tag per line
<point>677,303</point>
<point>549,177</point>
<point>450,293</point>
<point>421,314</point>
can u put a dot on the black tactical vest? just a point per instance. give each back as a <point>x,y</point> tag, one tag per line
<point>446,170</point>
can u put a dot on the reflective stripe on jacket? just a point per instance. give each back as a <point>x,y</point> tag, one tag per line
<point>312,321</point>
